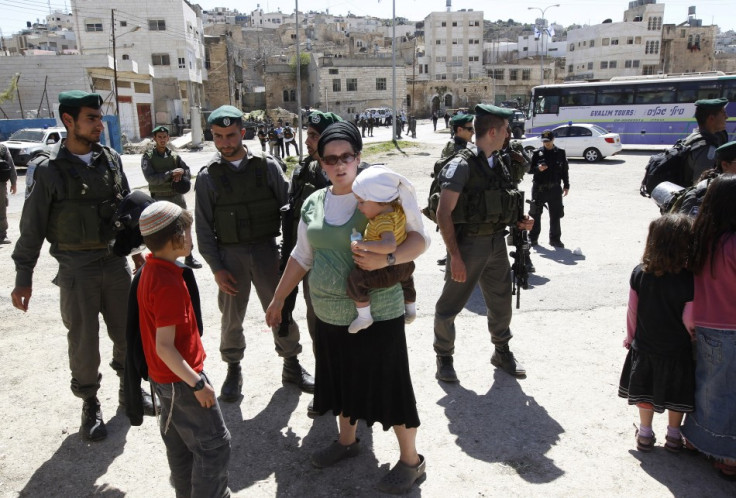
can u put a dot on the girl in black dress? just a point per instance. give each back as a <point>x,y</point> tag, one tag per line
<point>658,374</point>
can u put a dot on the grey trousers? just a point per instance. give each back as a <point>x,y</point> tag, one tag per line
<point>257,264</point>
<point>197,442</point>
<point>3,209</point>
<point>98,287</point>
<point>487,265</point>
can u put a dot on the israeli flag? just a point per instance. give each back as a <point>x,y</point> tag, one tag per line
<point>550,31</point>
<point>537,34</point>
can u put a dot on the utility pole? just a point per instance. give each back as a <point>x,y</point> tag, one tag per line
<point>298,82</point>
<point>115,63</point>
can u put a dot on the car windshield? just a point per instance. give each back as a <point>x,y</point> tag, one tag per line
<point>27,135</point>
<point>600,130</point>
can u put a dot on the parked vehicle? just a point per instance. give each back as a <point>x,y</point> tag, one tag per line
<point>517,122</point>
<point>588,141</point>
<point>25,144</point>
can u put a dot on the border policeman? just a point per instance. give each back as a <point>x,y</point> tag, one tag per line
<point>168,176</point>
<point>462,127</point>
<point>473,232</point>
<point>707,137</point>
<point>76,189</point>
<point>238,196</point>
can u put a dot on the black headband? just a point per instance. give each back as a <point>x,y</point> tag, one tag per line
<point>342,130</point>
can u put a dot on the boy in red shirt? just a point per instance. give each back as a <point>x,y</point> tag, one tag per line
<point>197,441</point>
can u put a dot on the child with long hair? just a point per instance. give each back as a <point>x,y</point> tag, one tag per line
<point>711,428</point>
<point>658,373</point>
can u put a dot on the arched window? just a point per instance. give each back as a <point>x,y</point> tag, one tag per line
<point>448,100</point>
<point>292,95</point>
<point>286,95</point>
<point>126,57</point>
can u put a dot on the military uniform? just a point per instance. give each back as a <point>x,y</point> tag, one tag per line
<point>690,200</point>
<point>702,155</point>
<point>289,140</point>
<point>485,207</point>
<point>237,219</point>
<point>13,178</point>
<point>157,170</point>
<point>546,191</point>
<point>71,205</point>
<point>262,135</point>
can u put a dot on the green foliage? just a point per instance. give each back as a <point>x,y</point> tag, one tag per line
<point>304,58</point>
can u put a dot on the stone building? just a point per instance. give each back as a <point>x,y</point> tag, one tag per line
<point>688,49</point>
<point>224,62</point>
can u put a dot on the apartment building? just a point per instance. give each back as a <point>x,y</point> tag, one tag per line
<point>453,46</point>
<point>628,48</point>
<point>167,35</point>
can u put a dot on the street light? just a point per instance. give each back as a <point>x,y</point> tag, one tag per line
<point>541,37</point>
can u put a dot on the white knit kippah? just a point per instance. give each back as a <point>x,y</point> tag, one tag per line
<point>158,215</point>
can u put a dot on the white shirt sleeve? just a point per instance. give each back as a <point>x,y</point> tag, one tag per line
<point>302,252</point>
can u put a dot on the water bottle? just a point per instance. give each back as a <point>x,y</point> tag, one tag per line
<point>356,236</point>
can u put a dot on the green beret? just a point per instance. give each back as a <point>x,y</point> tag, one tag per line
<point>320,120</point>
<point>727,152</point>
<point>715,103</point>
<point>501,112</point>
<point>160,128</point>
<point>225,115</point>
<point>461,119</point>
<point>78,98</point>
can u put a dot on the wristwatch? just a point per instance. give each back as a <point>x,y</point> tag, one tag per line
<point>199,385</point>
<point>390,259</point>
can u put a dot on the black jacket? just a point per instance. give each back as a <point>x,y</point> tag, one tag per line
<point>557,167</point>
<point>136,367</point>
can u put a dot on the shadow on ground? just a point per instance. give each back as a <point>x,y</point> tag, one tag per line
<point>59,475</point>
<point>503,426</point>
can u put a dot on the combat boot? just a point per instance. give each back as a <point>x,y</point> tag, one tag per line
<point>445,370</point>
<point>504,359</point>
<point>147,401</point>
<point>294,373</point>
<point>192,262</point>
<point>93,427</point>
<point>233,385</point>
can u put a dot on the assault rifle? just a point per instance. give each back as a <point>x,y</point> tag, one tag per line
<point>520,267</point>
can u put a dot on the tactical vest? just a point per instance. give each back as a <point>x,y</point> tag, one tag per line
<point>83,219</point>
<point>308,180</point>
<point>288,133</point>
<point>246,209</point>
<point>162,164</point>
<point>488,201</point>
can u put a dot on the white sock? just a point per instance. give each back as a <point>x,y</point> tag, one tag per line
<point>363,321</point>
<point>410,312</point>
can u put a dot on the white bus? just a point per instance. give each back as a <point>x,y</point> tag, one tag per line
<point>651,110</point>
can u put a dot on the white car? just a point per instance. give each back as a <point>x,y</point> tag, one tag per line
<point>588,141</point>
<point>25,144</point>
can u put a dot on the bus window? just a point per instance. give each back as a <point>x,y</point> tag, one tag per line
<point>572,97</point>
<point>729,89</point>
<point>655,94</point>
<point>615,95</point>
<point>546,104</point>
<point>690,91</point>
